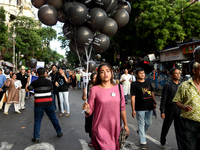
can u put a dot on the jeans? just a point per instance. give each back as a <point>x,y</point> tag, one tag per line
<point>191,134</point>
<point>28,94</point>
<point>84,84</point>
<point>144,119</point>
<point>54,94</point>
<point>79,84</point>
<point>125,96</point>
<point>38,115</point>
<point>64,98</point>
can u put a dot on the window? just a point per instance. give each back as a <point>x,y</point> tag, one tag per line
<point>19,2</point>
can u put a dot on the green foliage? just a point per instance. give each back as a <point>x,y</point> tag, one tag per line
<point>3,29</point>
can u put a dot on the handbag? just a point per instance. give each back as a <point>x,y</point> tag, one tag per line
<point>123,134</point>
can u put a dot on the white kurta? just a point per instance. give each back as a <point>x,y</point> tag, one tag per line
<point>126,84</point>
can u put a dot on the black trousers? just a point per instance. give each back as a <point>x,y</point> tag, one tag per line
<point>172,113</point>
<point>191,134</point>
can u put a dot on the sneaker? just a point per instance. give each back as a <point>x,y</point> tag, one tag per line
<point>5,113</point>
<point>35,140</point>
<point>18,112</point>
<point>59,134</point>
<point>137,132</point>
<point>143,143</point>
<point>126,102</point>
<point>24,109</point>
<point>143,146</point>
<point>163,146</point>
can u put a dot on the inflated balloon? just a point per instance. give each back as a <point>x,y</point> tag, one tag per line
<point>101,42</point>
<point>47,66</point>
<point>103,60</point>
<point>130,62</point>
<point>98,56</point>
<point>74,48</point>
<point>110,27</point>
<point>84,36</point>
<point>55,3</point>
<point>104,4</point>
<point>61,16</point>
<point>69,65</point>
<point>68,30</point>
<point>20,64</point>
<point>3,64</point>
<point>121,16</point>
<point>5,67</point>
<point>56,63</point>
<point>111,7</point>
<point>77,13</point>
<point>65,8</point>
<point>7,71</point>
<point>38,3</point>
<point>48,15</point>
<point>196,54</point>
<point>64,61</point>
<point>79,65</point>
<point>97,18</point>
<point>91,66</point>
<point>126,6</point>
<point>87,3</point>
<point>32,63</point>
<point>50,64</point>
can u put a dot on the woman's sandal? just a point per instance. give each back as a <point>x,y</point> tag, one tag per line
<point>67,115</point>
<point>61,114</point>
<point>90,144</point>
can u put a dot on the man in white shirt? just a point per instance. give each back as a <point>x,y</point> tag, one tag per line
<point>85,76</point>
<point>133,77</point>
<point>126,80</point>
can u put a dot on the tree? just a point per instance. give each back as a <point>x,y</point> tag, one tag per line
<point>3,29</point>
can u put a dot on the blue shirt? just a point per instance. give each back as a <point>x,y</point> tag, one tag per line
<point>2,80</point>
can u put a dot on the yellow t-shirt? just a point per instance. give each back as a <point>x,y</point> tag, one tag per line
<point>78,77</point>
<point>187,94</point>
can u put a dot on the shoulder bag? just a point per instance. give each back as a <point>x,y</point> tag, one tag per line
<point>123,134</point>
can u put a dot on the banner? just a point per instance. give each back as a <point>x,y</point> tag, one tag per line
<point>40,64</point>
<point>33,78</point>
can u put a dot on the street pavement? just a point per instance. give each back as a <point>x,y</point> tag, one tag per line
<point>17,129</point>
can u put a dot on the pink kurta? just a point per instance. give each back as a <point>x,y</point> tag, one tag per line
<point>106,116</point>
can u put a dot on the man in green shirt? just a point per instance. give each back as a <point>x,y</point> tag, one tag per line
<point>187,98</point>
<point>78,80</point>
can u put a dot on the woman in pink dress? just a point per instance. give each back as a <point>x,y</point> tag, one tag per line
<point>104,104</point>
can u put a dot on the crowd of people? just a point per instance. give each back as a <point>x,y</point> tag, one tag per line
<point>103,97</point>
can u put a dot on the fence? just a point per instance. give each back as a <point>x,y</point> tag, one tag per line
<point>160,80</point>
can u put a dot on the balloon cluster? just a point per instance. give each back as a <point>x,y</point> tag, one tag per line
<point>86,22</point>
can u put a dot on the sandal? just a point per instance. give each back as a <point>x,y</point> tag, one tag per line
<point>90,144</point>
<point>67,115</point>
<point>61,114</point>
<point>5,113</point>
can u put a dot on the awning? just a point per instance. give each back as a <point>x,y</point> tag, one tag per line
<point>8,64</point>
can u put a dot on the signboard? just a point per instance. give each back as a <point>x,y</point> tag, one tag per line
<point>33,78</point>
<point>17,84</point>
<point>189,49</point>
<point>40,64</point>
<point>174,55</point>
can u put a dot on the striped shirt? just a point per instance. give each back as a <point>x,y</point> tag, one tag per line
<point>42,92</point>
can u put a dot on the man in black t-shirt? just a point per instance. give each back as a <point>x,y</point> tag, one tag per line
<point>142,102</point>
<point>62,84</point>
<point>53,77</point>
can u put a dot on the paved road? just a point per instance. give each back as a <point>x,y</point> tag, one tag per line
<point>16,130</point>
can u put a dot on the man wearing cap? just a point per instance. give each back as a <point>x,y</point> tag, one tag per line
<point>187,98</point>
<point>22,76</point>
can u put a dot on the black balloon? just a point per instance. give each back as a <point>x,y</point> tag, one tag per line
<point>87,3</point>
<point>98,56</point>
<point>74,64</point>
<point>74,48</point>
<point>38,3</point>
<point>77,13</point>
<point>126,6</point>
<point>65,8</point>
<point>61,16</point>
<point>84,36</point>
<point>3,64</point>
<point>130,62</point>
<point>56,63</point>
<point>55,3</point>
<point>101,42</point>
<point>103,60</point>
<point>64,61</point>
<point>97,18</point>
<point>91,66</point>
<point>196,54</point>
<point>50,64</point>
<point>32,63</point>
<point>68,30</point>
<point>110,27</point>
<point>7,71</point>
<point>48,15</point>
<point>69,65</point>
<point>121,16</point>
<point>104,4</point>
<point>111,7</point>
<point>47,66</point>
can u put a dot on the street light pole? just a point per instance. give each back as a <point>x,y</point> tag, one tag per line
<point>14,35</point>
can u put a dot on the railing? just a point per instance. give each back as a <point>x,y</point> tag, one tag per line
<point>160,80</point>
